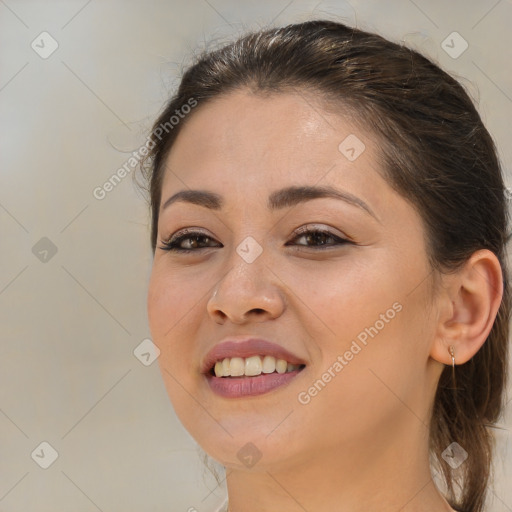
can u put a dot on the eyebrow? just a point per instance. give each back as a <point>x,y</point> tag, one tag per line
<point>279,199</point>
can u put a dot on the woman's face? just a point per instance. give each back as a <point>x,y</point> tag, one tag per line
<point>353,314</point>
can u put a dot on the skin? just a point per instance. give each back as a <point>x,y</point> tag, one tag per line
<point>362,442</point>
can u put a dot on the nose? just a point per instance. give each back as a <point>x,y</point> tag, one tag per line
<point>247,292</point>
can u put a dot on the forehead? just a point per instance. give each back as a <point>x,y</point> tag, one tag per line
<point>246,144</point>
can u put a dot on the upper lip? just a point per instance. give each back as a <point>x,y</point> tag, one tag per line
<point>246,348</point>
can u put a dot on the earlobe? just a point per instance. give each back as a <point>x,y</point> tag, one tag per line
<point>467,308</point>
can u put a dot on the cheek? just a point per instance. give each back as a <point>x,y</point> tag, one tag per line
<point>367,316</point>
<point>342,300</point>
<point>170,306</point>
<point>173,324</point>
<point>360,387</point>
<point>171,294</point>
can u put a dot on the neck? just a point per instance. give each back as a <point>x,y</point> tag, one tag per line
<point>354,477</point>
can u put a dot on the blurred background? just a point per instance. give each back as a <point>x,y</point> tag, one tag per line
<point>85,421</point>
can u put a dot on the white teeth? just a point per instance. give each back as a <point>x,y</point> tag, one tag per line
<point>281,365</point>
<point>226,370</point>
<point>252,366</point>
<point>236,366</point>
<point>218,369</point>
<point>269,364</point>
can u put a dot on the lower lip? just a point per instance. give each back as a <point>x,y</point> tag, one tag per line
<point>237,387</point>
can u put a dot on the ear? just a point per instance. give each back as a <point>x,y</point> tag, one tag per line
<point>467,306</point>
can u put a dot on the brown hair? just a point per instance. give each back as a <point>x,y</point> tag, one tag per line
<point>435,152</point>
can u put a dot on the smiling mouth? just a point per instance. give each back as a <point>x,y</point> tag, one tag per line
<point>253,366</point>
<point>240,377</point>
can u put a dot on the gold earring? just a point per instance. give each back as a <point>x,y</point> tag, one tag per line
<point>452,353</point>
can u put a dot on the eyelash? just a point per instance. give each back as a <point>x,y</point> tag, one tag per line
<point>173,243</point>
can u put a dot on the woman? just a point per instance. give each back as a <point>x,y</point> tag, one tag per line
<point>329,290</point>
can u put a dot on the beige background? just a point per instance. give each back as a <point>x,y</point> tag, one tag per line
<point>70,321</point>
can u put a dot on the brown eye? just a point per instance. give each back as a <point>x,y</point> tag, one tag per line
<point>194,241</point>
<point>318,237</point>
